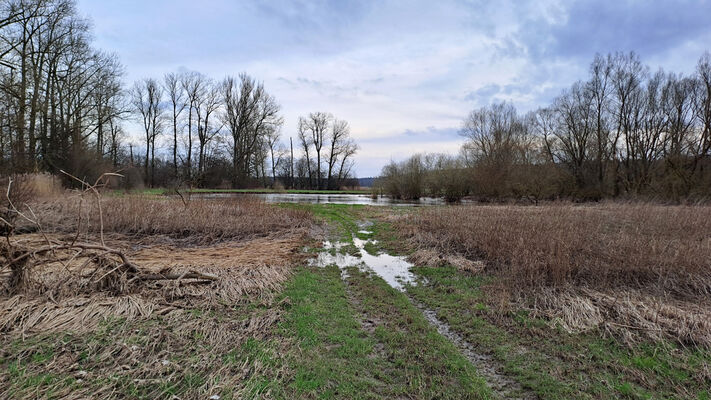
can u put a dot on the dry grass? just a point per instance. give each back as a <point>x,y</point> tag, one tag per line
<point>201,221</point>
<point>639,270</point>
<point>148,360</point>
<point>69,296</point>
<point>435,258</point>
<point>247,245</point>
<point>643,246</point>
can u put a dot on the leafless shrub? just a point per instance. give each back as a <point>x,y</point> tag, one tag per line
<point>19,191</point>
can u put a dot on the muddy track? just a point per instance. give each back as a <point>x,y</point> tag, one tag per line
<point>490,369</point>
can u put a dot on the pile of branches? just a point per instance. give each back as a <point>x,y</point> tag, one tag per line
<point>83,266</point>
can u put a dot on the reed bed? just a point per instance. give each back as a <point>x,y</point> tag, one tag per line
<point>634,269</point>
<point>199,221</point>
<point>244,246</point>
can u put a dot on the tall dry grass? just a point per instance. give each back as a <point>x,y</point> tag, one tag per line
<point>650,247</point>
<point>636,271</point>
<point>200,221</point>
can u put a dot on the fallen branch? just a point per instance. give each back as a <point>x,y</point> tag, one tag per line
<point>190,275</point>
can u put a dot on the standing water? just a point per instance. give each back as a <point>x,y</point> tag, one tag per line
<point>355,199</point>
<point>394,270</point>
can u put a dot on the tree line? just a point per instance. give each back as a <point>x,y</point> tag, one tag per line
<point>63,106</point>
<point>624,131</point>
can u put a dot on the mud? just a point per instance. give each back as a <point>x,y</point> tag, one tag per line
<point>486,366</point>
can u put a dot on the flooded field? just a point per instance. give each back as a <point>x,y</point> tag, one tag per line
<point>352,199</point>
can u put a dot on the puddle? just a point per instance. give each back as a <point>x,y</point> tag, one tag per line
<point>328,245</point>
<point>394,270</point>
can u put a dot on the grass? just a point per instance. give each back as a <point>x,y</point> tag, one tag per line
<point>154,339</point>
<point>320,336</point>
<point>554,364</point>
<point>201,220</point>
<point>337,357</point>
<point>363,339</point>
<point>429,363</point>
<point>665,247</point>
<point>635,270</point>
<point>149,359</point>
<point>332,356</point>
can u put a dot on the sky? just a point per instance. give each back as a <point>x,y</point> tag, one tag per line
<point>404,74</point>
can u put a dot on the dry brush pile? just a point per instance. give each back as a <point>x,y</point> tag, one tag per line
<point>137,283</point>
<point>635,270</point>
<point>129,255</point>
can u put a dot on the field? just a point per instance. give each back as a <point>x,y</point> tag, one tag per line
<point>230,298</point>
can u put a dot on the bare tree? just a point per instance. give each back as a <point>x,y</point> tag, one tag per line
<point>250,113</point>
<point>193,84</point>
<point>600,90</point>
<point>176,95</point>
<point>146,98</point>
<point>316,124</point>
<point>306,141</point>
<point>272,140</point>
<point>341,148</point>
<point>206,104</point>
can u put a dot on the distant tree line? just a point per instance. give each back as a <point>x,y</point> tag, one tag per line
<point>623,132</point>
<point>60,99</point>
<point>63,107</point>
<point>229,133</point>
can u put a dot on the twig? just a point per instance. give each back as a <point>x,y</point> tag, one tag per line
<point>98,196</point>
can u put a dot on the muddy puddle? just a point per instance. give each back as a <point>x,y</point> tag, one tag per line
<point>394,270</point>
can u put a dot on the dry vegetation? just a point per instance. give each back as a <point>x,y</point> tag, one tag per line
<point>156,259</point>
<point>214,251</point>
<point>631,269</point>
<point>199,221</point>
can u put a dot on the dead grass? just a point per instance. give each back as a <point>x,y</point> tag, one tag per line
<point>434,258</point>
<point>201,221</point>
<point>65,296</point>
<point>182,354</point>
<point>247,245</point>
<point>637,270</point>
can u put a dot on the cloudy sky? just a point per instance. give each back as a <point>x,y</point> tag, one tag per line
<point>403,73</point>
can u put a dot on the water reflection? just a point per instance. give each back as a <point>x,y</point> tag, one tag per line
<point>358,199</point>
<point>394,270</point>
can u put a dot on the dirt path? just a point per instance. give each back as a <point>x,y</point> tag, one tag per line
<point>395,271</point>
<point>501,384</point>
